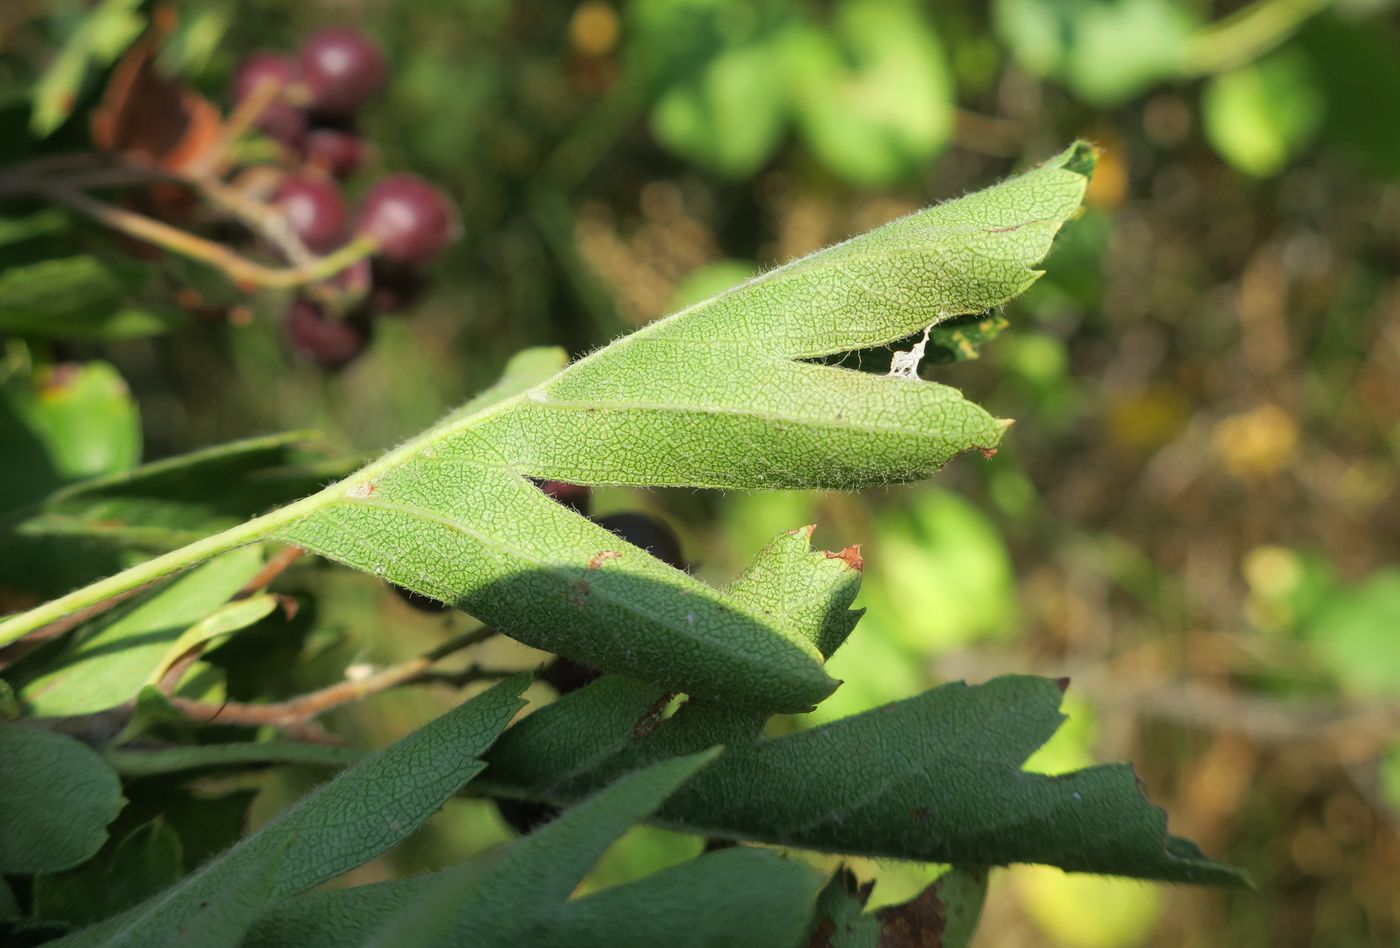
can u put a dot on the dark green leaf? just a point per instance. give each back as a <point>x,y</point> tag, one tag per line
<point>936,778</point>
<point>56,798</point>
<point>147,860</point>
<point>81,298</point>
<point>390,795</point>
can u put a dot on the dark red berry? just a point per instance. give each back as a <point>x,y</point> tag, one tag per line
<point>570,495</point>
<point>337,152</point>
<point>342,69</point>
<point>412,220</point>
<point>323,340</point>
<point>647,532</point>
<point>280,118</point>
<point>314,210</point>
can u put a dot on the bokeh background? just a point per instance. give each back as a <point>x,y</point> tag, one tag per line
<point>1196,516</point>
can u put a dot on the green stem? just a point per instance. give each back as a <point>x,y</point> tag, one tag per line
<point>1247,34</point>
<point>259,528</point>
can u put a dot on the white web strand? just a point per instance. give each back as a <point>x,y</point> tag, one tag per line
<point>905,365</point>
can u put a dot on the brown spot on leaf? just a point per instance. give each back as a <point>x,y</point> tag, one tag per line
<point>988,453</point>
<point>850,555</point>
<point>597,559</point>
<point>918,923</point>
<point>579,592</point>
<point>1062,684</point>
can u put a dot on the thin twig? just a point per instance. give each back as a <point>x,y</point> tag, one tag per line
<point>242,271</point>
<point>271,570</point>
<point>295,715</point>
<point>313,704</point>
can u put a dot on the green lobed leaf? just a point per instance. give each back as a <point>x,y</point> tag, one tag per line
<point>108,665</point>
<point>934,778</point>
<point>80,298</point>
<point>148,859</point>
<point>713,396</point>
<point>506,901</point>
<point>363,812</point>
<point>738,897</point>
<point>57,797</point>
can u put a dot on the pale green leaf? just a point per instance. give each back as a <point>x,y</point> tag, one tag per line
<point>108,665</point>
<point>713,396</point>
<point>505,901</point>
<point>223,621</point>
<point>61,424</point>
<point>98,39</point>
<point>1258,116</point>
<point>57,797</point>
<point>363,812</point>
<point>874,96</point>
<point>728,116</point>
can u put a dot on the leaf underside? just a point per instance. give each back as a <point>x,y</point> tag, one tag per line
<point>716,396</point>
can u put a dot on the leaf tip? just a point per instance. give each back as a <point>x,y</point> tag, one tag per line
<point>849,555</point>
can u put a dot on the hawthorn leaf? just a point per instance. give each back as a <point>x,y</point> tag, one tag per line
<point>107,666</point>
<point>934,778</point>
<point>57,797</point>
<point>739,898</point>
<point>224,621</point>
<point>220,918</point>
<point>363,812</point>
<point>514,897</point>
<point>716,395</point>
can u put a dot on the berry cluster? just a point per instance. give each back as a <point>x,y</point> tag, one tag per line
<point>308,104</point>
